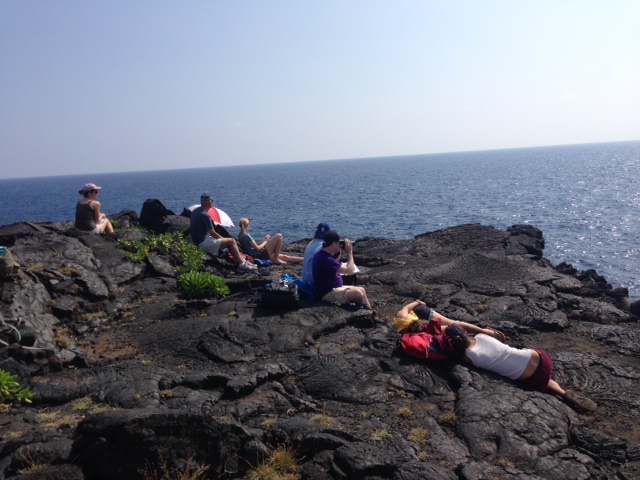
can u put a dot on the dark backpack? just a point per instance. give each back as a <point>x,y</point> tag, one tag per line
<point>282,296</point>
<point>153,214</point>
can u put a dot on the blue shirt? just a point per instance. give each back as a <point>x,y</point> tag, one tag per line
<point>325,273</point>
<point>314,247</point>
<point>200,225</point>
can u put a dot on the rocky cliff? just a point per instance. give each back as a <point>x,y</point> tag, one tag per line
<point>132,379</point>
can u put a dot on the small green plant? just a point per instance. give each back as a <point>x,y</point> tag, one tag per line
<point>282,464</point>
<point>32,462</point>
<point>504,463</point>
<point>324,419</point>
<point>190,256</point>
<point>164,472</point>
<point>82,404</point>
<point>382,434</point>
<point>103,407</point>
<point>284,460</point>
<point>448,419</point>
<point>63,338</point>
<point>269,423</point>
<point>404,412</point>
<point>203,285</point>
<point>134,249</point>
<point>264,471</point>
<point>58,420</point>
<point>423,456</point>
<point>160,243</point>
<point>68,271</point>
<point>418,435</point>
<point>10,390</point>
<point>167,394</point>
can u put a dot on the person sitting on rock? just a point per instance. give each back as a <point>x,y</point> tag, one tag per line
<point>267,250</point>
<point>431,336</point>
<point>204,235</point>
<point>89,218</point>
<point>328,271</point>
<point>314,246</point>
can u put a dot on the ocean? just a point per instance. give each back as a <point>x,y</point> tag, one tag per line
<point>584,198</point>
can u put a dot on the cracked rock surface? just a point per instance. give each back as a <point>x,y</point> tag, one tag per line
<point>129,375</point>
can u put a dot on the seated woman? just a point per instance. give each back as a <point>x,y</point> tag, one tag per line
<point>267,250</point>
<point>89,218</point>
<point>431,336</point>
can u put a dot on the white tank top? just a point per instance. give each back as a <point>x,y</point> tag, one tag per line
<point>495,356</point>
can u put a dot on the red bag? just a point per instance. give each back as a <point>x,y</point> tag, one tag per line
<point>430,345</point>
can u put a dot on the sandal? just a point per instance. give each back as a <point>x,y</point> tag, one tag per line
<point>498,335</point>
<point>576,400</point>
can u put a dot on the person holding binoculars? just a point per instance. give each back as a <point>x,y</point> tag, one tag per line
<point>328,271</point>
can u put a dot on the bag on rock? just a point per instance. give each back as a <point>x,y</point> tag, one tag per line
<point>152,214</point>
<point>280,295</point>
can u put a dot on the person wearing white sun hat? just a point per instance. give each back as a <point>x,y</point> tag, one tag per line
<point>89,217</point>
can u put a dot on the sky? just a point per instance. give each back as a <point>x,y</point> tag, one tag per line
<point>92,86</point>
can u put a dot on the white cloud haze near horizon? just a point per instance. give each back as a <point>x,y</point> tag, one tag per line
<point>96,87</point>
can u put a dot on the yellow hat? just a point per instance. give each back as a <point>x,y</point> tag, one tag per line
<point>400,324</point>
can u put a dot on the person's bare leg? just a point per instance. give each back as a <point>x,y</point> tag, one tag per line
<point>554,388</point>
<point>358,295</point>
<point>231,244</point>
<point>274,246</point>
<point>289,258</point>
<point>109,227</point>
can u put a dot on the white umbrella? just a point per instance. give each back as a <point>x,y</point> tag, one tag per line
<point>217,215</point>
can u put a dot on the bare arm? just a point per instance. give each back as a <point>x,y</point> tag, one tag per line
<point>97,214</point>
<point>350,267</point>
<point>214,234</point>
<point>468,327</point>
<point>404,311</point>
<point>262,245</point>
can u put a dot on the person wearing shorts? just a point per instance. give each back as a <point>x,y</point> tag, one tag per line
<point>89,217</point>
<point>328,271</point>
<point>485,348</point>
<point>204,235</point>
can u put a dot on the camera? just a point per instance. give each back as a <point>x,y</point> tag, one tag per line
<point>341,243</point>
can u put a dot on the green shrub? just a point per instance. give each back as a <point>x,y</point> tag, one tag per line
<point>10,389</point>
<point>203,285</point>
<point>188,255</point>
<point>189,259</point>
<point>134,249</point>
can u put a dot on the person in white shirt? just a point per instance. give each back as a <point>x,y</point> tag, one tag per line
<point>450,339</point>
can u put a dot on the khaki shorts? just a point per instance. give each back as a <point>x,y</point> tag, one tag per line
<point>337,295</point>
<point>211,245</point>
<point>100,227</point>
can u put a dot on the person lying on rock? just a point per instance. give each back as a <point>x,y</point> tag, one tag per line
<point>267,250</point>
<point>204,235</point>
<point>434,337</point>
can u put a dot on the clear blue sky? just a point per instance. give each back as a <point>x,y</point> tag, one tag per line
<point>107,86</point>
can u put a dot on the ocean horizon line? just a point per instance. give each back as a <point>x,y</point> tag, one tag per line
<point>299,162</point>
